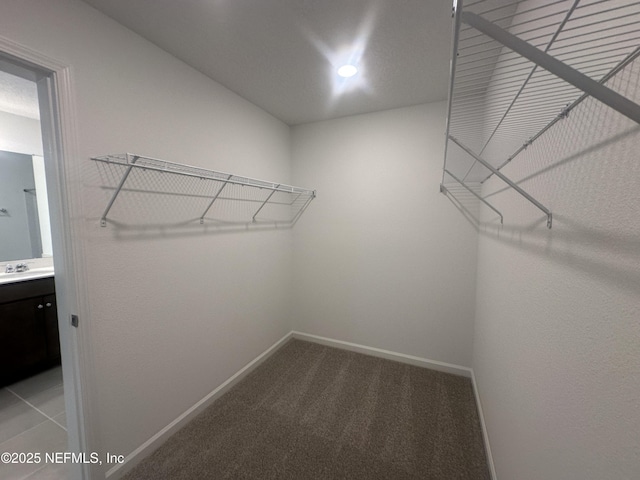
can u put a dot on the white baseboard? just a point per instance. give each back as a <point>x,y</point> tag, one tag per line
<point>144,450</point>
<point>378,352</point>
<point>485,435</point>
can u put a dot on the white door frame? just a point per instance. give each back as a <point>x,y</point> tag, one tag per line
<point>64,183</point>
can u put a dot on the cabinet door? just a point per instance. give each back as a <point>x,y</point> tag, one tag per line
<point>23,345</point>
<point>51,327</point>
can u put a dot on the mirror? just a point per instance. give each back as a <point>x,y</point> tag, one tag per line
<point>25,231</point>
<point>24,227</point>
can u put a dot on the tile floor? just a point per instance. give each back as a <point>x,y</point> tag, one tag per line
<point>33,419</point>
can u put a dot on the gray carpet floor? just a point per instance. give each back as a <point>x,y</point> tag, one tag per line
<point>314,412</point>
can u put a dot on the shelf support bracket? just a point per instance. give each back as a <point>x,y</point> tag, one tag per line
<point>103,219</point>
<point>474,193</point>
<point>504,179</point>
<point>265,202</point>
<point>215,198</point>
<point>560,69</point>
<point>304,207</point>
<point>457,19</point>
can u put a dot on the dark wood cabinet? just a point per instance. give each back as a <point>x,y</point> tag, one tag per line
<point>29,339</point>
<point>51,328</point>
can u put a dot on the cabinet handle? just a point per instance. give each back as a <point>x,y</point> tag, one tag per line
<point>48,304</point>
<point>40,306</point>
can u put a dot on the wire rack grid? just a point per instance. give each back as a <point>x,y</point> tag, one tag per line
<point>500,101</point>
<point>154,192</point>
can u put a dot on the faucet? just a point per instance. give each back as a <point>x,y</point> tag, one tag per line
<point>20,267</point>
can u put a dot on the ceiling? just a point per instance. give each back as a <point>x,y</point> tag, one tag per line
<point>18,96</point>
<point>282,54</point>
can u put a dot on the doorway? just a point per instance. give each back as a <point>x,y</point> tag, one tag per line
<point>52,399</point>
<point>32,404</point>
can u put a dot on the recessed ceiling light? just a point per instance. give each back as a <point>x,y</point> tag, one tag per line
<point>347,71</point>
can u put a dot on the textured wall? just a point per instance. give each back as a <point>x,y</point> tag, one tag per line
<point>173,313</point>
<point>557,336</point>
<point>381,258</point>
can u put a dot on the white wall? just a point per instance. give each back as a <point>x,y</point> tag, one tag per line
<point>174,315</point>
<point>20,134</point>
<point>381,258</point>
<point>557,336</point>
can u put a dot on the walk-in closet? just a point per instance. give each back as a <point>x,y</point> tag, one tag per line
<point>321,239</point>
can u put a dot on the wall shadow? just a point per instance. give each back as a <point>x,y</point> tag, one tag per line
<point>593,246</point>
<point>573,157</point>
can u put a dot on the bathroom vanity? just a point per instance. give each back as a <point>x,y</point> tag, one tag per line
<point>28,328</point>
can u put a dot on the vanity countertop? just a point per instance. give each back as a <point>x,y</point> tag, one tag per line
<point>32,274</point>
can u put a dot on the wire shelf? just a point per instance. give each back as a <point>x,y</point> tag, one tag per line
<point>504,94</point>
<point>158,192</point>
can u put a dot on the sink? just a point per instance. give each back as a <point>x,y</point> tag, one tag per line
<point>32,274</point>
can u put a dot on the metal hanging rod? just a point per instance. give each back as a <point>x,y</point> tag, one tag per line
<point>301,196</point>
<point>474,194</point>
<point>513,185</point>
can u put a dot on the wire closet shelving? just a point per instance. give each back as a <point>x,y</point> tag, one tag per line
<point>517,68</point>
<point>208,195</point>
